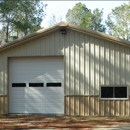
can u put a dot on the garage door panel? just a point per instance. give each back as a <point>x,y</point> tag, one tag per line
<point>38,92</point>
<point>19,68</point>
<point>54,108</point>
<point>51,96</point>
<point>36,97</point>
<point>21,106</point>
<point>36,109</point>
<point>37,100</point>
<point>19,110</point>
<point>36,76</point>
<point>54,100</point>
<point>18,94</point>
<point>54,90</point>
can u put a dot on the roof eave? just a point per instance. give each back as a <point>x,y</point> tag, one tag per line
<point>99,35</point>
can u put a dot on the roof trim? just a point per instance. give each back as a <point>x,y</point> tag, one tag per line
<point>99,35</point>
<point>69,26</point>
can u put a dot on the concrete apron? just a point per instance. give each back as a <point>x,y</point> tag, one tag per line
<point>113,127</point>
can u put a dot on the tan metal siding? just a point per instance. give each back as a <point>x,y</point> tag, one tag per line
<point>86,69</point>
<point>3,104</point>
<point>88,63</point>
<point>92,106</point>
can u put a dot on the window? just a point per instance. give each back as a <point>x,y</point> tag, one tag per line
<point>113,92</point>
<point>36,84</point>
<point>18,84</point>
<point>53,84</point>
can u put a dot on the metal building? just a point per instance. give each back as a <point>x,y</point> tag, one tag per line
<point>65,69</point>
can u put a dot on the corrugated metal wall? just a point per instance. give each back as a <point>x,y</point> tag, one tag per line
<point>92,106</point>
<point>88,62</point>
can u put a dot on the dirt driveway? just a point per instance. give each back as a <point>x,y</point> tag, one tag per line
<point>58,122</point>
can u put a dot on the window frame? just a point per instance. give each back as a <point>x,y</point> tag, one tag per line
<point>48,84</point>
<point>113,92</point>
<point>15,85</point>
<point>29,84</point>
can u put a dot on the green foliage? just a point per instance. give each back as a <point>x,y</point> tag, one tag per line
<point>21,17</point>
<point>118,22</point>
<point>82,16</point>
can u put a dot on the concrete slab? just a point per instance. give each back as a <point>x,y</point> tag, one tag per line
<point>113,127</point>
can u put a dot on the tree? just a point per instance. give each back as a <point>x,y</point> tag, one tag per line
<point>7,14</point>
<point>118,22</point>
<point>54,19</point>
<point>82,16</point>
<point>21,16</point>
<point>2,35</point>
<point>30,15</point>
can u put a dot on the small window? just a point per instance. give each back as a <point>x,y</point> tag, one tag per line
<point>114,92</point>
<point>36,84</point>
<point>18,84</point>
<point>53,84</point>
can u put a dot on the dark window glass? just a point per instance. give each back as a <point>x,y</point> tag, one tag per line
<point>36,84</point>
<point>18,84</point>
<point>53,84</point>
<point>106,92</point>
<point>120,92</point>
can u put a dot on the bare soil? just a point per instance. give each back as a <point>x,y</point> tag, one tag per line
<point>18,122</point>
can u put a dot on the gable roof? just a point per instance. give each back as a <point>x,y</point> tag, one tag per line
<point>65,25</point>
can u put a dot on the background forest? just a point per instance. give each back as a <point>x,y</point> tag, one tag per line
<point>21,17</point>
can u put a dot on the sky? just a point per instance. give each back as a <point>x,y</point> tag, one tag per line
<point>60,8</point>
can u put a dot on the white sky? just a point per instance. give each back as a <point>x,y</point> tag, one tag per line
<point>61,7</point>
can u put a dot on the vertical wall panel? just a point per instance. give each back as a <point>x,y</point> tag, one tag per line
<point>116,64</point>
<point>117,108</point>
<point>22,50</point>
<point>96,105</point>
<point>51,42</point>
<point>91,63</point>
<point>71,63</point>
<point>101,107</point>
<point>106,63</point>
<point>81,105</point>
<point>122,72</point>
<point>91,105</point>
<point>77,65</point>
<point>127,108</point>
<point>127,67</point>
<point>67,105</point>
<point>56,43</point>
<point>106,108</point>
<point>2,105</point>
<point>111,64</point>
<point>37,47</point>
<point>96,67</point>
<point>30,48</point>
<point>87,44</point>
<point>5,75</point>
<point>71,105</point>
<point>81,66</point>
<point>62,39</point>
<point>47,45</point>
<point>76,105</point>
<point>101,65</point>
<point>43,46</point>
<point>86,105</point>
<point>67,62</point>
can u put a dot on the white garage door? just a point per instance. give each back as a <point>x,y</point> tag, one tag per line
<point>36,85</point>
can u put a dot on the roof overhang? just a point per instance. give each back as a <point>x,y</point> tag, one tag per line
<point>51,29</point>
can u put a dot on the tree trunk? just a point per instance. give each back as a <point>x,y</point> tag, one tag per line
<point>7,32</point>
